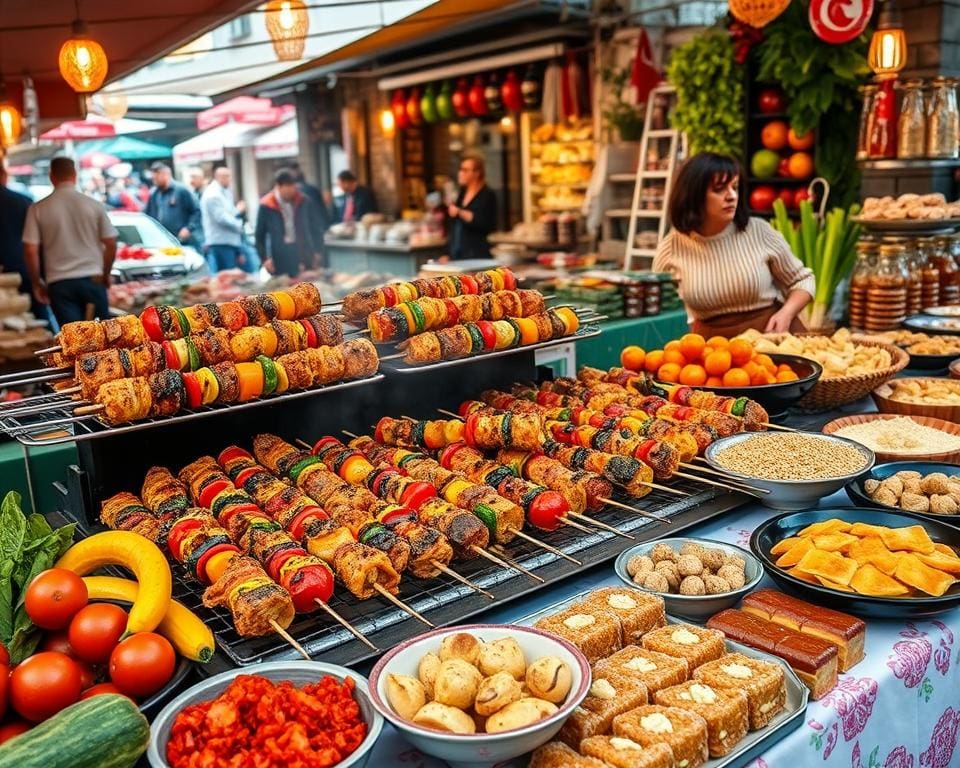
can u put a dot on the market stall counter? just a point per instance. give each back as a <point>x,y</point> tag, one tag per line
<point>650,332</point>
<point>399,259</point>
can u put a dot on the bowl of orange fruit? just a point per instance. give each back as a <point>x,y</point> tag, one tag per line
<point>729,367</point>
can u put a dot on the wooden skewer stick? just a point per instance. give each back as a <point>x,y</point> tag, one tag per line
<point>771,425</point>
<point>394,357</point>
<point>544,545</point>
<point>399,603</point>
<point>69,391</point>
<point>345,624</point>
<point>505,563</point>
<point>48,350</point>
<point>710,471</point>
<point>451,414</point>
<point>86,410</point>
<point>305,444</point>
<point>628,508</point>
<point>725,486</point>
<point>666,488</point>
<point>568,521</point>
<point>604,526</point>
<point>289,638</point>
<point>462,579</point>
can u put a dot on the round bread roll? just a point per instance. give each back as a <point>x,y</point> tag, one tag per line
<point>503,655</point>
<point>427,672</point>
<point>456,684</point>
<point>406,695</point>
<point>444,718</point>
<point>519,714</point>
<point>549,678</point>
<point>495,693</point>
<point>460,646</point>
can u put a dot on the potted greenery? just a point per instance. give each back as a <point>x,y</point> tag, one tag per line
<point>622,117</point>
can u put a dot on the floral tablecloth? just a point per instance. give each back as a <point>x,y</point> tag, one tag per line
<point>898,708</point>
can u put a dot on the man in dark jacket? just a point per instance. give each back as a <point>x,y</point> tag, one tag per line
<point>285,227</point>
<point>174,206</point>
<point>13,214</point>
<point>357,200</point>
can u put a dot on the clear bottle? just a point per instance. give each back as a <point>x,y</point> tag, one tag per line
<point>869,93</point>
<point>912,123</point>
<point>941,257</point>
<point>930,296</point>
<point>943,119</point>
<point>914,277</point>
<point>887,289</point>
<point>860,281</point>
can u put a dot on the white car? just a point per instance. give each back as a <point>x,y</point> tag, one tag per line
<point>164,255</point>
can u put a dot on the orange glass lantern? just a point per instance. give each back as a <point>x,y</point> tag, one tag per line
<point>288,23</point>
<point>83,62</point>
<point>10,123</point>
<point>888,46</point>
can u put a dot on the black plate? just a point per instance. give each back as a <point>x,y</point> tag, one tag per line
<point>151,707</point>
<point>859,496</point>
<point>931,362</point>
<point>776,398</point>
<point>931,324</point>
<point>783,526</point>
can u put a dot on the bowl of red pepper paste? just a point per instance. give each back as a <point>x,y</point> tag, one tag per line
<point>277,714</point>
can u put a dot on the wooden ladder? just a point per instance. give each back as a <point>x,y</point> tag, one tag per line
<point>677,148</point>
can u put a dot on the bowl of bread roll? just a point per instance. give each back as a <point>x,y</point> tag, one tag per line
<point>481,694</point>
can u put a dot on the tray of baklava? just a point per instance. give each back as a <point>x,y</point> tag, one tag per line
<point>665,693</point>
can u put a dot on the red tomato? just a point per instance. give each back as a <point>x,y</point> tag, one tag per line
<point>96,630</point>
<point>87,676</point>
<point>761,198</point>
<point>100,688</point>
<point>54,596</point>
<point>4,656</point>
<point>59,642</point>
<point>801,194</point>
<point>44,684</point>
<point>142,664</point>
<point>783,170</point>
<point>771,100</point>
<point>786,195</point>
<point>13,728</point>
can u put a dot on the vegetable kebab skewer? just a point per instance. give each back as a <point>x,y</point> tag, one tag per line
<point>157,323</point>
<point>168,392</point>
<point>502,517</point>
<point>308,578</point>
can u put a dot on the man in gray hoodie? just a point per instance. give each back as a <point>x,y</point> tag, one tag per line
<point>222,228</point>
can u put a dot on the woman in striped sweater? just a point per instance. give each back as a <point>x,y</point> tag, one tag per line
<point>735,272</point>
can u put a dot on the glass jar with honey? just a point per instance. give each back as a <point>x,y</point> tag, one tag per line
<point>887,289</point>
<point>941,256</point>
<point>860,279</point>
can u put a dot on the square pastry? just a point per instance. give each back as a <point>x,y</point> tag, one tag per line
<point>725,710</point>
<point>611,694</point>
<point>685,641</point>
<point>626,753</point>
<point>655,670</point>
<point>762,681</point>
<point>596,633</point>
<point>683,731</point>
<point>638,612</point>
<point>556,754</point>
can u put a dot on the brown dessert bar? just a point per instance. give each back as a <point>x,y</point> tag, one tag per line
<point>638,612</point>
<point>683,731</point>
<point>611,694</point>
<point>621,752</point>
<point>655,670</point>
<point>762,681</point>
<point>725,710</point>
<point>596,633</point>
<point>686,641</point>
<point>556,754</point>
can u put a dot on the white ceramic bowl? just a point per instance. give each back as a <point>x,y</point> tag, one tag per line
<point>300,673</point>
<point>481,749</point>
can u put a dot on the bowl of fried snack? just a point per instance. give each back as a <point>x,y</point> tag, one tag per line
<point>480,694</point>
<point>853,365</point>
<point>695,577</point>
<point>937,398</point>
<point>929,353</point>
<point>925,488</point>
<point>871,562</point>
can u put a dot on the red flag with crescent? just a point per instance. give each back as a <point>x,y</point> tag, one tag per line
<point>839,21</point>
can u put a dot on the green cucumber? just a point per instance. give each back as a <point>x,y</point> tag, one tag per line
<point>106,731</point>
<point>193,356</point>
<point>418,318</point>
<point>183,322</point>
<point>269,374</point>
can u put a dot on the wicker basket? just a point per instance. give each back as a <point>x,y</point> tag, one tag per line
<point>946,457</point>
<point>757,13</point>
<point>945,411</point>
<point>830,393</point>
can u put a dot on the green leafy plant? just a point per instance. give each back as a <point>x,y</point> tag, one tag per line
<point>620,114</point>
<point>821,84</point>
<point>709,87</point>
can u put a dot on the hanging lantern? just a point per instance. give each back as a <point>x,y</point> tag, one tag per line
<point>888,46</point>
<point>388,123</point>
<point>477,97</point>
<point>445,102</point>
<point>461,98</point>
<point>428,105</point>
<point>10,122</point>
<point>510,92</point>
<point>413,108</point>
<point>113,105</point>
<point>491,94</point>
<point>288,23</point>
<point>83,62</point>
<point>399,108</point>
<point>530,88</point>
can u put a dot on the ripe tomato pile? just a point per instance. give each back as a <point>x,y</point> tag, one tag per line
<point>81,655</point>
<point>275,725</point>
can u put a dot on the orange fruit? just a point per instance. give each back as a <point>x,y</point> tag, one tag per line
<point>718,342</point>
<point>675,356</point>
<point>672,345</point>
<point>750,368</point>
<point>691,345</point>
<point>762,376</point>
<point>766,362</point>
<point>669,372</point>
<point>693,375</point>
<point>714,381</point>
<point>774,135</point>
<point>787,376</point>
<point>801,141</point>
<point>741,351</point>
<point>653,360</point>
<point>736,377</point>
<point>800,165</point>
<point>632,357</point>
<point>718,363</point>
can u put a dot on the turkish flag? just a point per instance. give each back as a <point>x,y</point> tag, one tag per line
<point>645,75</point>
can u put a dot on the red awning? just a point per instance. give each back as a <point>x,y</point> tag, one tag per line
<point>248,110</point>
<point>93,127</point>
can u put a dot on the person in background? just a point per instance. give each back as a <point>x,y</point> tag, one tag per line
<point>197,182</point>
<point>119,199</point>
<point>13,214</point>
<point>473,215</point>
<point>285,231</point>
<point>79,245</point>
<point>322,218</point>
<point>736,272</point>
<point>357,200</point>
<point>173,205</point>
<point>222,227</point>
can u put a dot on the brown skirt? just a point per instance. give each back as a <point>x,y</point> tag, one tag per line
<point>734,323</point>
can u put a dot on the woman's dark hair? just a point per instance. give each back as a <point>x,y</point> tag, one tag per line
<point>697,175</point>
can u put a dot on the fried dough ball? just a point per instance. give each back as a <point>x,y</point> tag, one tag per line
<point>427,672</point>
<point>519,714</point>
<point>661,553</point>
<point>445,718</point>
<point>495,693</point>
<point>716,585</point>
<point>912,485</point>
<point>935,482</point>
<point>893,484</point>
<point>943,505</point>
<point>693,585</point>
<point>406,695</point>
<point>504,655</point>
<point>883,496</point>
<point>656,582</point>
<point>712,559</point>
<point>669,570</point>
<point>870,485</point>
<point>639,564</point>
<point>689,565</point>
<point>549,678</point>
<point>736,561</point>
<point>692,548</point>
<point>914,502</point>
<point>908,474</point>
<point>457,683</point>
<point>734,576</point>
<point>460,646</point>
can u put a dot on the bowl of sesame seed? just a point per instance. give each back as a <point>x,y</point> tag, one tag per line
<point>795,469</point>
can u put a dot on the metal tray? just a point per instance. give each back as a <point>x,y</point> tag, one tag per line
<point>948,310</point>
<point>58,424</point>
<point>930,324</point>
<point>586,331</point>
<point>755,743</point>
<point>928,226</point>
